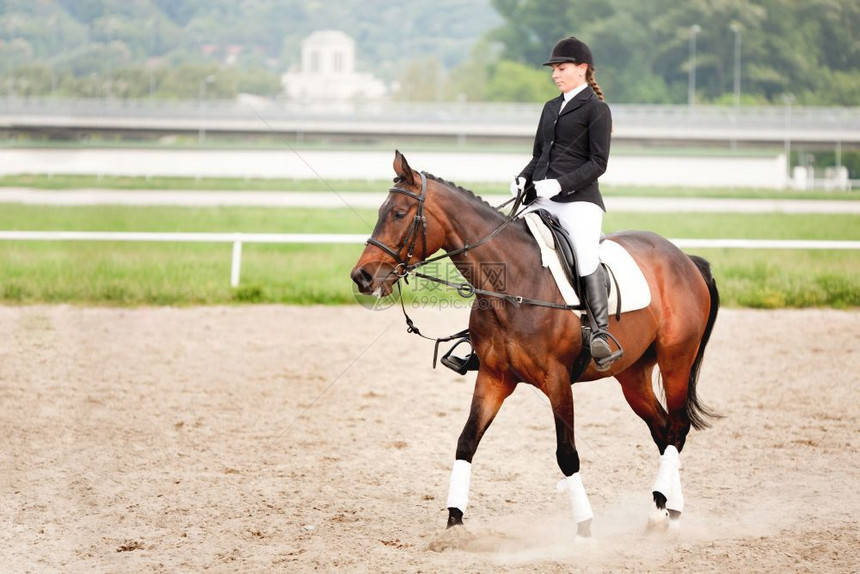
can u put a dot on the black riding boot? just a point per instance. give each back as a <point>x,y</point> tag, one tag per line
<point>595,298</point>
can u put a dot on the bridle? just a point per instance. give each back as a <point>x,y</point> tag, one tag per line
<point>404,269</point>
<point>419,221</point>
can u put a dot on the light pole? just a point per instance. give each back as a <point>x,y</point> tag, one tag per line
<point>201,132</point>
<point>788,99</point>
<point>691,80</point>
<point>150,24</point>
<point>736,28</point>
<point>203,83</point>
<point>53,79</point>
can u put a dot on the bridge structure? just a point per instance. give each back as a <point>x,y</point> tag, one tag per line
<point>460,122</point>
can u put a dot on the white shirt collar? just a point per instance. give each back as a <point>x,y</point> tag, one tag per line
<point>572,93</point>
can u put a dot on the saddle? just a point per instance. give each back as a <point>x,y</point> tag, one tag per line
<point>567,257</point>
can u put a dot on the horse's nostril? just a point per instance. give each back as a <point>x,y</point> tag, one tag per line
<point>361,278</point>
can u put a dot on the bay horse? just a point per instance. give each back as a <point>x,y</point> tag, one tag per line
<point>537,344</point>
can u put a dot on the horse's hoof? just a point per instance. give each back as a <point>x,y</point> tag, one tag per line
<point>674,521</point>
<point>455,517</point>
<point>583,529</point>
<point>658,521</point>
<point>452,539</point>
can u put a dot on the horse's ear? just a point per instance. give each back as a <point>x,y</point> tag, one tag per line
<point>402,169</point>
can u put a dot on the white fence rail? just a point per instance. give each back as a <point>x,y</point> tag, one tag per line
<point>238,239</point>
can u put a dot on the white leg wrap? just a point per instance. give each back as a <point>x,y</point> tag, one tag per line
<point>578,499</point>
<point>458,490</point>
<point>675,501</point>
<point>669,464</point>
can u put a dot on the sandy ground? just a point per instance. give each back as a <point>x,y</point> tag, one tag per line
<point>293,439</point>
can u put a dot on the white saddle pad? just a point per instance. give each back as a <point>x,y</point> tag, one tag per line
<point>635,293</point>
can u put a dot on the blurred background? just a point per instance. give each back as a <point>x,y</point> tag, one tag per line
<point>776,76</point>
<point>433,50</point>
<point>735,100</point>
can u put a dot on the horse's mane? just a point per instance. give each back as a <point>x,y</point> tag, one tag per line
<point>459,188</point>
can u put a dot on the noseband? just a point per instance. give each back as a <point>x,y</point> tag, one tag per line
<point>411,237</point>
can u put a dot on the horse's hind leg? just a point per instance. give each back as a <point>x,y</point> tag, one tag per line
<point>639,393</point>
<point>636,383</point>
<point>667,486</point>
<point>490,392</point>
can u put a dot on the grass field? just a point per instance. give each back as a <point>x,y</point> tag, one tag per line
<point>181,274</point>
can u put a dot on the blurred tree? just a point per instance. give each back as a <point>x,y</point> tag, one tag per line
<point>46,28</point>
<point>533,26</point>
<point>186,82</point>
<point>514,82</point>
<point>419,81</point>
<point>257,81</point>
<point>642,48</point>
<point>29,80</point>
<point>469,79</point>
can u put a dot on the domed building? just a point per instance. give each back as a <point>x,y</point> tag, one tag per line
<point>328,71</point>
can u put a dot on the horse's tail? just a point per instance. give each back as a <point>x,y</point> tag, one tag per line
<point>697,412</point>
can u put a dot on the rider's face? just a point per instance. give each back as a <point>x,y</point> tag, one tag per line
<point>568,75</point>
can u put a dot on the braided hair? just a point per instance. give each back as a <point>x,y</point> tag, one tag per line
<point>589,77</point>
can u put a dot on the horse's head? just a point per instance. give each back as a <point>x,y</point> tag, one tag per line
<point>401,236</point>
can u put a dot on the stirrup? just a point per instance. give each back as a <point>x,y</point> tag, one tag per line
<point>460,365</point>
<point>604,363</point>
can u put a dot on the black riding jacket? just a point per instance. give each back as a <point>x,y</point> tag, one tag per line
<point>572,147</point>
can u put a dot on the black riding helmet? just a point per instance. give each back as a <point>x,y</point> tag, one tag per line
<point>570,50</point>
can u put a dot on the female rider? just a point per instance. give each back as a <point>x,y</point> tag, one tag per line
<point>570,152</point>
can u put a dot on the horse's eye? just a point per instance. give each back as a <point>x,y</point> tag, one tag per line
<point>399,214</point>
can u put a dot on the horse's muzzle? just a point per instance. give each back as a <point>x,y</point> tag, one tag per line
<point>374,277</point>
<point>363,280</point>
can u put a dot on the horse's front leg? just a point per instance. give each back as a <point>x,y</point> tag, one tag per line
<point>491,390</point>
<point>558,389</point>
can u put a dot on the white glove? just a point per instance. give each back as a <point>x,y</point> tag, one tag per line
<point>518,185</point>
<point>547,188</point>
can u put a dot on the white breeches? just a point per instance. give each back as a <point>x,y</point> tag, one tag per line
<point>583,221</point>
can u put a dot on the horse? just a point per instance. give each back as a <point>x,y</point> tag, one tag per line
<point>537,344</point>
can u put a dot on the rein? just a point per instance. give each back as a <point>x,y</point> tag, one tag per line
<point>467,290</point>
<point>404,269</point>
